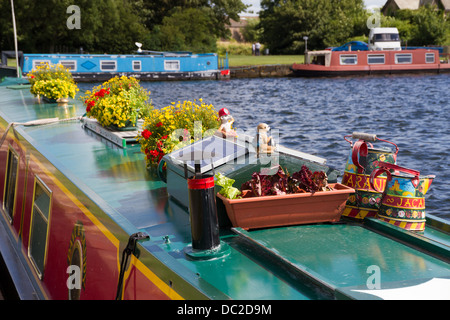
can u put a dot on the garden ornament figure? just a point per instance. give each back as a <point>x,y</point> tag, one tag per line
<point>226,122</point>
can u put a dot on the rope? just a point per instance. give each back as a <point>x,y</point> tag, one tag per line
<point>39,122</point>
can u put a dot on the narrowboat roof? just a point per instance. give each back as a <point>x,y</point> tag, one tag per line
<point>325,261</point>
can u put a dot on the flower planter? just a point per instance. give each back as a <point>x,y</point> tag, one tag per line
<point>49,100</point>
<point>62,102</point>
<point>291,209</point>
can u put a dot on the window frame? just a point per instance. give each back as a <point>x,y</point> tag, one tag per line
<point>38,211</point>
<point>74,62</point>
<point>133,66</point>
<point>37,63</point>
<point>167,64</point>
<point>108,61</point>
<point>346,55</point>
<point>7,190</point>
<point>430,54</point>
<point>373,56</point>
<point>397,55</point>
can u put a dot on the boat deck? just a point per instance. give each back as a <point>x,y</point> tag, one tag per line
<point>325,261</point>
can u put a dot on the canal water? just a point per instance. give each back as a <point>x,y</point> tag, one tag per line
<point>313,115</point>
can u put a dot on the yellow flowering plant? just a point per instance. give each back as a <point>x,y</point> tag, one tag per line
<point>118,102</point>
<point>55,88</point>
<point>46,72</point>
<point>172,127</point>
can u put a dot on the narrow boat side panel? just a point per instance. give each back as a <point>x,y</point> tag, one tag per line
<point>77,232</point>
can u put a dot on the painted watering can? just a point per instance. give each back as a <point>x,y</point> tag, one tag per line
<point>403,202</point>
<point>361,163</point>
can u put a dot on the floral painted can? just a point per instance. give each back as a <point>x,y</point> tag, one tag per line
<point>403,202</point>
<point>366,200</point>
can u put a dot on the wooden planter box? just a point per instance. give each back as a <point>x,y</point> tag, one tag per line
<point>291,209</point>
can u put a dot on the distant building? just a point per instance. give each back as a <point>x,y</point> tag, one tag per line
<point>236,27</point>
<point>391,6</point>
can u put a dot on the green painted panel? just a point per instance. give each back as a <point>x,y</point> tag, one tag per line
<point>341,254</point>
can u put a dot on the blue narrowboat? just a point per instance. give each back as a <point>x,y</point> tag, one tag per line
<point>146,65</point>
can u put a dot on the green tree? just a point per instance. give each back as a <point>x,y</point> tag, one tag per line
<point>175,23</point>
<point>106,25</point>
<point>252,31</point>
<point>184,30</point>
<point>325,22</point>
<point>426,26</point>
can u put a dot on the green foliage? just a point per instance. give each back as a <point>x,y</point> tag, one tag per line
<point>425,26</point>
<point>234,48</point>
<point>226,183</point>
<point>184,30</point>
<point>325,22</point>
<point>252,31</point>
<point>113,26</point>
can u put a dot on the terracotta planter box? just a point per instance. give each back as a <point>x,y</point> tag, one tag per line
<point>291,209</point>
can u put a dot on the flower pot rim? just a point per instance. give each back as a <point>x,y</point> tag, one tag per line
<point>338,188</point>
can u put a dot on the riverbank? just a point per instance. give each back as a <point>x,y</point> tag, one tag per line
<point>261,71</point>
<point>248,66</point>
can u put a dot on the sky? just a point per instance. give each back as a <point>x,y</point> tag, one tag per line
<point>369,4</point>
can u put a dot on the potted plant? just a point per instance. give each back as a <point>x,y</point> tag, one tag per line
<point>172,127</point>
<point>118,103</point>
<point>47,72</point>
<point>56,90</point>
<point>283,199</point>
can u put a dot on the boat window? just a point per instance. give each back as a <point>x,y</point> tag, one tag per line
<point>108,65</point>
<point>39,225</point>
<point>173,65</point>
<point>69,64</point>
<point>375,59</point>
<point>403,58</point>
<point>429,57</point>
<point>12,169</point>
<point>349,59</point>
<point>319,60</point>
<point>38,63</point>
<point>137,65</point>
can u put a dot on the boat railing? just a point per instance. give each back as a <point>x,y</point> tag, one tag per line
<point>223,61</point>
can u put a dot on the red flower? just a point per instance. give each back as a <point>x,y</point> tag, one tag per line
<point>32,77</point>
<point>89,104</point>
<point>101,93</point>
<point>146,134</point>
<point>164,137</point>
<point>159,124</point>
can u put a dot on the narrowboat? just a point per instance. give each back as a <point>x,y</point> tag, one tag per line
<point>83,218</point>
<point>329,63</point>
<point>144,65</point>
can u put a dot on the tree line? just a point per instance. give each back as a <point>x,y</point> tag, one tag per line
<point>329,23</point>
<point>113,26</point>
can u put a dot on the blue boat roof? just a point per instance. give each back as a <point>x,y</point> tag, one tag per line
<point>355,46</point>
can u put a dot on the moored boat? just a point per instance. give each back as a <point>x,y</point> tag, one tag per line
<point>328,63</point>
<point>146,65</point>
<point>82,218</point>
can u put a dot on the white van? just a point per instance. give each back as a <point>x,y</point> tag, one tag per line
<point>384,39</point>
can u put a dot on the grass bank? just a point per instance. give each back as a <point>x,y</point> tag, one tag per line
<point>249,60</point>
